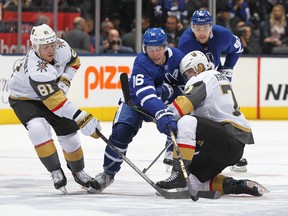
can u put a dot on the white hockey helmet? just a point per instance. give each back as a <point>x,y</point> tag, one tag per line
<point>192,60</point>
<point>41,34</point>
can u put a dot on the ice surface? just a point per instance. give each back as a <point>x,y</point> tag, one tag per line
<point>26,188</point>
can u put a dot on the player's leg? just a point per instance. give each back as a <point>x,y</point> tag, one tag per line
<point>31,115</point>
<point>212,140</point>
<point>126,125</point>
<point>69,139</point>
<point>40,135</point>
<point>186,138</point>
<point>73,155</point>
<point>228,185</point>
<point>219,150</point>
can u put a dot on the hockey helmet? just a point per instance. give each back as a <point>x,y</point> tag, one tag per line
<point>41,34</point>
<point>192,60</point>
<point>154,37</point>
<point>201,17</point>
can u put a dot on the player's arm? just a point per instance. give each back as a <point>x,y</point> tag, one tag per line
<point>145,91</point>
<point>73,64</point>
<point>55,100</point>
<point>233,49</point>
<point>191,99</point>
<point>143,86</point>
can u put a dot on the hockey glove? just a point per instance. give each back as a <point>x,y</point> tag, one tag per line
<point>165,91</point>
<point>164,119</point>
<point>228,72</point>
<point>64,83</point>
<point>87,124</point>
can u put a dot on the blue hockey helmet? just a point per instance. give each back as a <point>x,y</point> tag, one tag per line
<point>154,37</point>
<point>201,17</point>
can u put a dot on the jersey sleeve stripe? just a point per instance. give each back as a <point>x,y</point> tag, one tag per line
<point>147,98</point>
<point>56,101</point>
<point>183,105</point>
<point>144,89</point>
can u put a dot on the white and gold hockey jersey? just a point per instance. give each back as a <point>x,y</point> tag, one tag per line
<point>209,95</point>
<point>35,79</point>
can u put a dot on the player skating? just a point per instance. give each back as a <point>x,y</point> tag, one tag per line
<point>38,86</point>
<point>155,69</point>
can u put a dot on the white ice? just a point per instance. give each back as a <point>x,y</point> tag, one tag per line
<point>27,189</point>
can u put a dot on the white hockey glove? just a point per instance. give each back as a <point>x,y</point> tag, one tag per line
<point>228,72</point>
<point>64,83</point>
<point>88,124</point>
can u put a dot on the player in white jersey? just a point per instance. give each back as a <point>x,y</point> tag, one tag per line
<point>212,132</point>
<point>213,41</point>
<point>38,87</point>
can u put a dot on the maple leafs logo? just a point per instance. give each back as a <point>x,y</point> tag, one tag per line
<point>42,66</point>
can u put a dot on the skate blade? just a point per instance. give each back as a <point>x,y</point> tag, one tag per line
<point>63,190</point>
<point>84,188</point>
<point>173,190</point>
<point>261,189</point>
<point>92,190</point>
<point>241,169</point>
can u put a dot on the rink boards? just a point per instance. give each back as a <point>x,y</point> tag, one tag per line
<point>260,85</point>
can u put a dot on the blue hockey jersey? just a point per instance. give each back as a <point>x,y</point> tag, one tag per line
<point>146,77</point>
<point>221,41</point>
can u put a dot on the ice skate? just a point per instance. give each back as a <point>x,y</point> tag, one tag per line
<point>100,182</point>
<point>60,180</point>
<point>232,186</point>
<point>240,166</point>
<point>83,179</point>
<point>174,181</point>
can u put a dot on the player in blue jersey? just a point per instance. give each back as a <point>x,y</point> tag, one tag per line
<point>213,41</point>
<point>155,73</point>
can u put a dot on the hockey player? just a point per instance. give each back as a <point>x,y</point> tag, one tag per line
<point>212,132</point>
<point>157,63</point>
<point>38,86</point>
<point>213,41</point>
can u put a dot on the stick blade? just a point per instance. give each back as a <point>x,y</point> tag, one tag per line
<point>125,87</point>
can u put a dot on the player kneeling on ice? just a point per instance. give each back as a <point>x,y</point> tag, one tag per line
<point>212,132</point>
<point>38,86</point>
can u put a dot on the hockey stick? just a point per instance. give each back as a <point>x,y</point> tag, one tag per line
<point>146,169</point>
<point>127,98</point>
<point>164,193</point>
<point>192,193</point>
